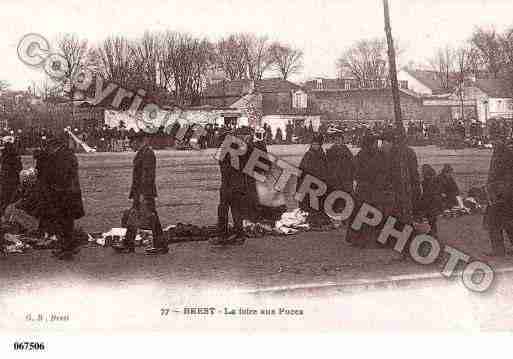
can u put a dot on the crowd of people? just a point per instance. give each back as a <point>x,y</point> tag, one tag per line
<point>117,139</point>
<point>384,174</point>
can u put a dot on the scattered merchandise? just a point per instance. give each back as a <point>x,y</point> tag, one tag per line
<point>16,215</point>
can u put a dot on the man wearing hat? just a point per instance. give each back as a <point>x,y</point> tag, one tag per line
<point>233,195</point>
<point>64,197</point>
<point>314,163</point>
<point>143,193</point>
<point>499,213</point>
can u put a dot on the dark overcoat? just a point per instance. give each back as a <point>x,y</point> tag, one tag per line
<point>500,186</point>
<point>143,174</point>
<point>313,163</point>
<point>63,185</point>
<point>341,168</point>
<point>10,175</point>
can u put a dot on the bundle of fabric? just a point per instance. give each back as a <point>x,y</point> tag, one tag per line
<point>258,229</point>
<point>14,244</point>
<point>46,242</point>
<point>293,222</point>
<point>15,215</point>
<point>469,205</point>
<point>115,236</point>
<point>189,233</point>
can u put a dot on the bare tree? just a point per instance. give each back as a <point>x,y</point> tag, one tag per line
<point>45,89</point>
<point>443,63</point>
<point>114,58</point>
<point>147,53</point>
<point>74,51</point>
<point>230,56</point>
<point>4,85</point>
<point>184,64</point>
<point>257,54</point>
<point>286,59</point>
<point>465,60</point>
<point>366,60</point>
<point>507,49</point>
<point>488,44</point>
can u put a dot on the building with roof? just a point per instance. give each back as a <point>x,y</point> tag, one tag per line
<point>423,99</point>
<point>493,98</point>
<point>273,101</point>
<point>426,82</point>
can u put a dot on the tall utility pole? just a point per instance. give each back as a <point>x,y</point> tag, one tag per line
<point>393,71</point>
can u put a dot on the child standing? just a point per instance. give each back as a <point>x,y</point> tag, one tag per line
<point>430,205</point>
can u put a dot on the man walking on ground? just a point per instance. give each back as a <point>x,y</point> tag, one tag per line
<point>143,193</point>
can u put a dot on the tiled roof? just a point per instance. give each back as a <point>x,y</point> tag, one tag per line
<point>242,87</point>
<point>498,88</point>
<point>432,81</point>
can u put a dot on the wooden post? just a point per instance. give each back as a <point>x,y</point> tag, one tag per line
<point>393,71</point>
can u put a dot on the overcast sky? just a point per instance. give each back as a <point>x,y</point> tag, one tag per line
<point>322,28</point>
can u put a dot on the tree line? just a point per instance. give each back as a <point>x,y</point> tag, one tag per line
<point>178,65</point>
<point>487,53</point>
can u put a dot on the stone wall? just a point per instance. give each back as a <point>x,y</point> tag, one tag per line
<point>365,105</point>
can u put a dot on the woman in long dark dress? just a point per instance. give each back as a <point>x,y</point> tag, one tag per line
<point>371,170</point>
<point>314,163</point>
<point>449,188</point>
<point>10,175</point>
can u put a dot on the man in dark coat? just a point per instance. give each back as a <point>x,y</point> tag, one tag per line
<point>340,162</point>
<point>404,180</point>
<point>10,175</point>
<point>234,193</point>
<point>64,195</point>
<point>499,214</point>
<point>314,163</point>
<point>143,193</point>
<point>403,190</point>
<point>371,169</point>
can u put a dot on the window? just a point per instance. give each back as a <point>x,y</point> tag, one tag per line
<point>319,84</point>
<point>403,84</point>
<point>347,85</point>
<point>299,100</point>
<point>499,106</point>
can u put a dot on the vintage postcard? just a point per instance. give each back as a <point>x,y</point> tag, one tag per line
<point>255,167</point>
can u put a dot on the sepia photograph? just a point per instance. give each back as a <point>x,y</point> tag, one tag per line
<point>270,167</point>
